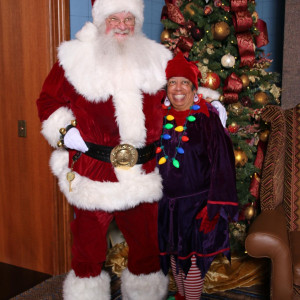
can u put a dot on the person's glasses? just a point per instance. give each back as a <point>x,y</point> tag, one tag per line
<point>130,21</point>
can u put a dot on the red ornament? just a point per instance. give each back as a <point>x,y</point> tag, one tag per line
<point>208,10</point>
<point>217,3</point>
<point>212,81</point>
<point>189,25</point>
<point>233,128</point>
<point>197,33</point>
<point>185,138</point>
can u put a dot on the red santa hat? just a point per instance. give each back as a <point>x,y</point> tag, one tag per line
<point>103,8</point>
<point>179,66</point>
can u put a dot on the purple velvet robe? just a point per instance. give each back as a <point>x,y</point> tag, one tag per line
<point>205,181</point>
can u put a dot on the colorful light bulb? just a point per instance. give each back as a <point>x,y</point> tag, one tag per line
<point>166,136</point>
<point>191,118</point>
<point>158,150</point>
<point>179,128</point>
<point>184,138</point>
<point>180,150</point>
<point>162,160</point>
<point>175,163</point>
<point>170,117</point>
<point>169,126</point>
<point>195,107</point>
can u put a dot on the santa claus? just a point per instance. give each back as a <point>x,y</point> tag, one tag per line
<point>100,107</point>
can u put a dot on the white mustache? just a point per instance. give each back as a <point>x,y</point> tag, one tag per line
<point>117,30</point>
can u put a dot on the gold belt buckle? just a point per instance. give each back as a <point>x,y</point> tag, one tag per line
<point>124,156</point>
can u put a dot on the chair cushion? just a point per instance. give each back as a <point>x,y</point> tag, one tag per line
<point>292,168</point>
<point>295,246</point>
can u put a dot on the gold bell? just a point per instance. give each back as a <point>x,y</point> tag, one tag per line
<point>62,131</point>
<point>60,144</point>
<point>74,123</point>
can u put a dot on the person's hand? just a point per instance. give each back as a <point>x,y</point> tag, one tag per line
<point>221,110</point>
<point>73,140</point>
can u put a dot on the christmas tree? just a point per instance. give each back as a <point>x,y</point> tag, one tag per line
<point>224,37</point>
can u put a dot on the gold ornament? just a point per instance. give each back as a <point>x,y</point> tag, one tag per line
<point>261,98</point>
<point>165,35</point>
<point>236,108</point>
<point>250,212</point>
<point>264,135</point>
<point>255,17</point>
<point>220,31</point>
<point>240,157</point>
<point>245,79</point>
<point>221,98</point>
<point>189,10</point>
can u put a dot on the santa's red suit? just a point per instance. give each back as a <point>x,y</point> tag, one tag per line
<point>115,99</point>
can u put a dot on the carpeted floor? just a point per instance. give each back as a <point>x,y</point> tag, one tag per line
<point>51,289</point>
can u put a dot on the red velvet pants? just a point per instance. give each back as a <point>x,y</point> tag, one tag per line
<point>139,227</point>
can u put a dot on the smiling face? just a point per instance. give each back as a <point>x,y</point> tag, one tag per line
<point>120,25</point>
<point>180,93</point>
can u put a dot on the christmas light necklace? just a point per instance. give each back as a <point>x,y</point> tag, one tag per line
<point>182,137</point>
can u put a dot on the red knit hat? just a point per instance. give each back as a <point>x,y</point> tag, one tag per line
<point>180,67</point>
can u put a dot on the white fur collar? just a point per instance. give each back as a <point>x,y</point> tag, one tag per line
<point>96,77</point>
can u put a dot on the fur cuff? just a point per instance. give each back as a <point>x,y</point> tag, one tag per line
<point>92,288</point>
<point>206,92</point>
<point>50,127</point>
<point>146,287</point>
<point>134,187</point>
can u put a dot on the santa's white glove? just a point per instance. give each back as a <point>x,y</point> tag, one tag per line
<point>221,110</point>
<point>73,140</point>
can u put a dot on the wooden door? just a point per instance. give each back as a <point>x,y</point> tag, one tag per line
<point>34,217</point>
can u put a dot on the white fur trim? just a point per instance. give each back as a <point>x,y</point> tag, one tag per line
<point>92,288</point>
<point>134,187</point>
<point>103,8</point>
<point>96,74</point>
<point>59,119</point>
<point>207,92</point>
<point>152,286</point>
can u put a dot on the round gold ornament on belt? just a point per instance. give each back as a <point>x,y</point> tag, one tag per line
<point>124,156</point>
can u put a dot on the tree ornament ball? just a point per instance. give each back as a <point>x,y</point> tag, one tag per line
<point>240,158</point>
<point>165,35</point>
<point>245,79</point>
<point>233,127</point>
<point>264,135</point>
<point>189,10</point>
<point>236,108</point>
<point>208,10</point>
<point>212,80</point>
<point>221,98</point>
<point>228,61</point>
<point>261,98</point>
<point>217,3</point>
<point>197,33</point>
<point>221,31</point>
<point>249,212</point>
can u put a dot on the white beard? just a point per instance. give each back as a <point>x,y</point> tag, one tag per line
<point>99,66</point>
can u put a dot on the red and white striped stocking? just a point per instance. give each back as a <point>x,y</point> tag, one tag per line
<point>193,283</point>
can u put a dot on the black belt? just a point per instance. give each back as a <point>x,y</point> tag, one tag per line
<point>103,153</point>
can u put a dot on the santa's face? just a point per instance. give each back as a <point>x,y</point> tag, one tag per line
<point>120,25</point>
